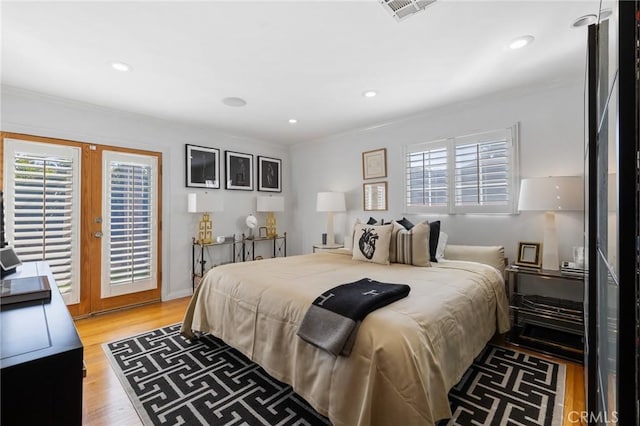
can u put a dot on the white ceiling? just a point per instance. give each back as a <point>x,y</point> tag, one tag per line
<point>309,60</point>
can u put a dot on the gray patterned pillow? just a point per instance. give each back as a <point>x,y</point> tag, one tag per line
<point>371,243</point>
<point>410,247</point>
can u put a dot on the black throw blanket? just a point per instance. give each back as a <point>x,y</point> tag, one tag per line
<point>332,321</point>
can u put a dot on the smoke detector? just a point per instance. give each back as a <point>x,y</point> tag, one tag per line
<point>402,9</point>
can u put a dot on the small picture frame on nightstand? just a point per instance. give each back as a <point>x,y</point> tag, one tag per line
<point>529,254</point>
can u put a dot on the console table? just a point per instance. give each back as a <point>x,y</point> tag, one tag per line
<point>241,250</point>
<point>40,359</point>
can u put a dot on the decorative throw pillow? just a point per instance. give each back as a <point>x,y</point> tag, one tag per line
<point>434,235</point>
<point>371,243</point>
<point>410,247</point>
<point>442,244</point>
<point>406,223</point>
<point>372,221</point>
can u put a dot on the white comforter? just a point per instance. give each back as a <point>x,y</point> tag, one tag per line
<point>406,357</point>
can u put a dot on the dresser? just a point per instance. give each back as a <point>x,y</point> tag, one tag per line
<point>40,359</point>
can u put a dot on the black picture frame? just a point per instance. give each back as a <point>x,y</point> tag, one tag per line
<point>202,167</point>
<point>529,254</point>
<point>269,174</point>
<point>239,171</point>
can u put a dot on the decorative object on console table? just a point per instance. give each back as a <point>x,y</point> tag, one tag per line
<point>239,171</point>
<point>551,194</point>
<point>202,167</point>
<point>204,203</point>
<point>330,202</point>
<point>374,164</point>
<point>529,255</point>
<point>270,204</point>
<point>251,223</point>
<point>269,174</point>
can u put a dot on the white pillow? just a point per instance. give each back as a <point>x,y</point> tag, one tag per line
<point>348,239</point>
<point>371,243</point>
<point>442,245</point>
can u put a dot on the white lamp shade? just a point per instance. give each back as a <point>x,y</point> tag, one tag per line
<point>331,202</point>
<point>554,193</point>
<point>270,204</point>
<point>204,202</point>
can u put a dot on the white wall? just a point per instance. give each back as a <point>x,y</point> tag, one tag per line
<point>36,114</point>
<point>551,143</point>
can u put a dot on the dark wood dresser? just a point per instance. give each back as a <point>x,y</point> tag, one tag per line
<point>40,359</point>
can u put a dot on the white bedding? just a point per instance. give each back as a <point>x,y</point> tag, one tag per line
<point>406,357</point>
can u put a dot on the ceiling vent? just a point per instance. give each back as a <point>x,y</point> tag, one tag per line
<point>402,9</point>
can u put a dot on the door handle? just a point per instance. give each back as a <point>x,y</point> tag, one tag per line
<point>98,234</point>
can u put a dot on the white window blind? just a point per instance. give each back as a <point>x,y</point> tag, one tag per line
<point>467,174</point>
<point>130,213</point>
<point>427,176</point>
<point>42,199</point>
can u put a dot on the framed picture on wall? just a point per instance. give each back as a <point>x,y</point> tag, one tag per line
<point>269,174</point>
<point>239,170</point>
<point>374,164</point>
<point>529,254</point>
<point>374,196</point>
<point>202,167</point>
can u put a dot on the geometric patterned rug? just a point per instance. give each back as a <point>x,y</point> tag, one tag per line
<point>507,387</point>
<point>173,381</point>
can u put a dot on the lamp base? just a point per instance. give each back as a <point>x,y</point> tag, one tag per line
<point>550,258</point>
<point>205,230</point>
<point>271,225</point>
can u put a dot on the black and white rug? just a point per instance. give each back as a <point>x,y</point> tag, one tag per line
<point>173,381</point>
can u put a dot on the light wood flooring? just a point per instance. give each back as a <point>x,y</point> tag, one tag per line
<point>106,403</point>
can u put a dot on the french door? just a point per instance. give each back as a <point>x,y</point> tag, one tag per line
<point>92,212</point>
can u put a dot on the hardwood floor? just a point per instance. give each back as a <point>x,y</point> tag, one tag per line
<point>106,403</point>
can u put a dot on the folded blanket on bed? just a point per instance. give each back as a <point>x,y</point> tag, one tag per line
<point>332,321</point>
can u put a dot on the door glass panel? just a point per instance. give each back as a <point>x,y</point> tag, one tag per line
<point>129,223</point>
<point>43,209</point>
<point>607,212</point>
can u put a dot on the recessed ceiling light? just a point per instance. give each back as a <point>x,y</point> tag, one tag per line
<point>234,102</point>
<point>292,121</point>
<point>585,20</point>
<point>521,42</point>
<point>121,66</point>
<point>369,93</point>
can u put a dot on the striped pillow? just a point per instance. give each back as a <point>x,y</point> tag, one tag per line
<point>410,247</point>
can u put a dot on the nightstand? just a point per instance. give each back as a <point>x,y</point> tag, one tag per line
<point>547,311</point>
<point>321,247</point>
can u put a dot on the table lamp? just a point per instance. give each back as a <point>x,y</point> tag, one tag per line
<point>551,194</point>
<point>270,204</point>
<point>204,202</point>
<point>330,202</point>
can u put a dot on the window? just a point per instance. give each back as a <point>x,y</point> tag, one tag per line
<point>467,174</point>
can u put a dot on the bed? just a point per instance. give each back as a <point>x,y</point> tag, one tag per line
<point>406,356</point>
